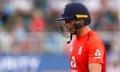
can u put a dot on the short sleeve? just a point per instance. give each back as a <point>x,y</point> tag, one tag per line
<point>95,51</point>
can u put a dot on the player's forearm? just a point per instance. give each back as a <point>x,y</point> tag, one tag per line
<point>95,68</point>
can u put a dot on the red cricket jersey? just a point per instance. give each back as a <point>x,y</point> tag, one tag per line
<point>85,50</point>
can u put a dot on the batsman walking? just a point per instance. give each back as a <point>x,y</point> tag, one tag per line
<point>87,50</point>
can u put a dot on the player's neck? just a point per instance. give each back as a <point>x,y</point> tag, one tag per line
<point>83,31</point>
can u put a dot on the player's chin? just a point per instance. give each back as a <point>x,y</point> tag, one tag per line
<point>72,31</point>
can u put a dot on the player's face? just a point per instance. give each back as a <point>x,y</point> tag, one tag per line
<point>69,24</point>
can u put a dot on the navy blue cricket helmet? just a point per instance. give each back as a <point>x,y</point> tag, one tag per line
<point>75,11</point>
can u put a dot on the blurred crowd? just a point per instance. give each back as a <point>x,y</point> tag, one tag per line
<point>29,26</point>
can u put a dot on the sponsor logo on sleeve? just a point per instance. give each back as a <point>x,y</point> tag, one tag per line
<point>98,54</point>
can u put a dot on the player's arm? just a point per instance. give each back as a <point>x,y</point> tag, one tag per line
<point>95,67</point>
<point>96,55</point>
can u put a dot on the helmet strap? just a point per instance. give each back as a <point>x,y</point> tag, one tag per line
<point>70,39</point>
